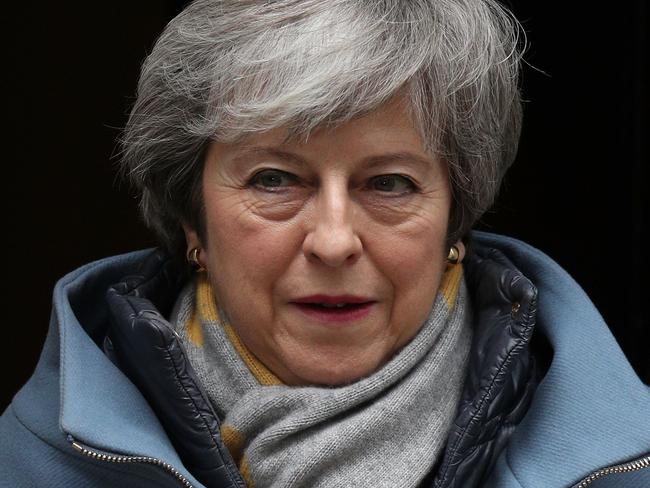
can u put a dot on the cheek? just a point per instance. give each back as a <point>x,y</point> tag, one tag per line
<point>413,259</point>
<point>418,237</point>
<point>246,250</point>
<point>415,263</point>
<point>414,267</point>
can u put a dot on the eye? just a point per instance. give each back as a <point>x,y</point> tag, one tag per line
<point>271,179</point>
<point>394,184</point>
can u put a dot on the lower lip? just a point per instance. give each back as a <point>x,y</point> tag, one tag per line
<point>336,315</point>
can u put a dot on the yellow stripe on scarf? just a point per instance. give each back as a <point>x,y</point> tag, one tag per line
<point>450,283</point>
<point>194,330</point>
<point>245,472</point>
<point>205,309</point>
<point>234,441</point>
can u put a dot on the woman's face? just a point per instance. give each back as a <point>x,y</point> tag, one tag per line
<point>327,254</point>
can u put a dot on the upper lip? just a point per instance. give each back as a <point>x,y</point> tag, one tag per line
<point>332,299</point>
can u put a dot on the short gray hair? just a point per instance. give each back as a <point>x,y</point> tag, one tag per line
<point>223,69</point>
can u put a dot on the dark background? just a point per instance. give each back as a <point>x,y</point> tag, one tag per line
<point>577,191</point>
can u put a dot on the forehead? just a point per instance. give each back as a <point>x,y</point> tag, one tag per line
<point>388,129</point>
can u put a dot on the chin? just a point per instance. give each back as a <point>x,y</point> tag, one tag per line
<point>330,372</point>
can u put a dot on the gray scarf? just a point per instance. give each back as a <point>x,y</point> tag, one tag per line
<point>385,430</point>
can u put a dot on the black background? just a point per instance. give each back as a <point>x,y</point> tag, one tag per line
<point>577,190</point>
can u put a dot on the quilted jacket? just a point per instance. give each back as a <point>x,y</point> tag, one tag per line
<point>549,399</point>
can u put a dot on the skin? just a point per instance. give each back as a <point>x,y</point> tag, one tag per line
<point>289,219</point>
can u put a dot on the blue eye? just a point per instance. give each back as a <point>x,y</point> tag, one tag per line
<point>395,184</point>
<point>272,178</point>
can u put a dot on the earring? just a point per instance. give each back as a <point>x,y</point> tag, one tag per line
<point>453,256</point>
<point>193,259</point>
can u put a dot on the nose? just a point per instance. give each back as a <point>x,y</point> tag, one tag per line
<point>331,237</point>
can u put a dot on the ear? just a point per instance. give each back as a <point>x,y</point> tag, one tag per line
<point>191,237</point>
<point>461,250</point>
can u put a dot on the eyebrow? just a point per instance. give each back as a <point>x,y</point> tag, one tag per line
<point>369,161</point>
<point>274,152</point>
<point>398,157</point>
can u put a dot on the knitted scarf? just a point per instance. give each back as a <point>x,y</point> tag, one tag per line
<point>385,430</point>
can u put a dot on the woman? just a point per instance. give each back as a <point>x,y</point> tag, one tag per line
<point>319,166</point>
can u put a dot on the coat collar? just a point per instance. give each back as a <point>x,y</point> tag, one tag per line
<point>590,407</point>
<point>99,406</point>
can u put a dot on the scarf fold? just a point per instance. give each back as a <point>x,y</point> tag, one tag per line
<point>385,430</point>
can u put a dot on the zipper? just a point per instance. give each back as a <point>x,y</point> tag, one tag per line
<point>636,465</point>
<point>116,458</point>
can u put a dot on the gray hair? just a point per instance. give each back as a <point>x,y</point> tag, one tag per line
<point>223,69</point>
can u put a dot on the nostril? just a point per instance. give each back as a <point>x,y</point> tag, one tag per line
<point>332,246</point>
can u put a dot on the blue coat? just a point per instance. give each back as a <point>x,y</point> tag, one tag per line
<point>80,421</point>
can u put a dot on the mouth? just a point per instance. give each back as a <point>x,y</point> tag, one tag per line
<point>337,308</point>
<point>334,309</point>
